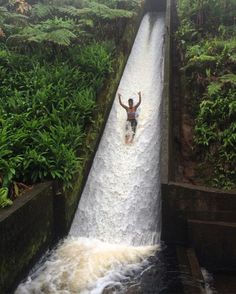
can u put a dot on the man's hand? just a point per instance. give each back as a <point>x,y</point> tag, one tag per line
<point>139,93</point>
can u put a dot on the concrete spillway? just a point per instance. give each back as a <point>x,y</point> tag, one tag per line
<point>120,206</point>
<point>121,200</point>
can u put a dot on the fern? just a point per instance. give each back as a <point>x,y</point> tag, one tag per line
<point>11,17</point>
<point>4,200</point>
<point>97,10</point>
<point>104,12</point>
<point>124,4</point>
<point>61,37</point>
<point>214,88</point>
<point>71,11</point>
<point>203,58</point>
<point>56,31</point>
<point>228,43</point>
<point>40,11</point>
<point>232,57</point>
<point>229,78</point>
<point>4,13</point>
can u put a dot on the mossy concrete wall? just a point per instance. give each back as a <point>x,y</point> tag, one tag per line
<point>26,229</point>
<point>155,5</point>
<point>201,217</point>
<point>182,202</point>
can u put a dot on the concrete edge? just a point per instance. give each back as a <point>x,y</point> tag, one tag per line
<point>166,100</point>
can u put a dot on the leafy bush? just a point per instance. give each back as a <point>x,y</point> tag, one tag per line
<point>216,133</point>
<point>207,43</point>
<point>54,58</point>
<point>45,109</point>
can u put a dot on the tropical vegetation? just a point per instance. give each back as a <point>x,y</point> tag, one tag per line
<point>54,58</point>
<point>207,44</point>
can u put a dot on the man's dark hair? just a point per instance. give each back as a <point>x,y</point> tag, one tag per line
<point>130,100</point>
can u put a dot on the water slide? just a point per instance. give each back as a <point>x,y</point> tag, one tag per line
<point>117,223</point>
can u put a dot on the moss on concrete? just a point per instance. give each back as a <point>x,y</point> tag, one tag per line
<point>26,229</point>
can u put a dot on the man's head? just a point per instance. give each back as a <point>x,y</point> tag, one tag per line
<point>131,102</point>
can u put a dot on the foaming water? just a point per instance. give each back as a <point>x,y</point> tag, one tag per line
<point>79,266</point>
<point>118,219</point>
<point>121,200</point>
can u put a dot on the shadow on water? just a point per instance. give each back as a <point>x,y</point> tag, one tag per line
<point>160,276</point>
<point>152,18</point>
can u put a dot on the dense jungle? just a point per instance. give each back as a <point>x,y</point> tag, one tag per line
<point>54,58</point>
<point>206,46</point>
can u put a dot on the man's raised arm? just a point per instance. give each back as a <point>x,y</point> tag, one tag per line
<point>119,96</point>
<point>140,99</point>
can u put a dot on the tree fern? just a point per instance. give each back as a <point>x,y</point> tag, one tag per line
<point>61,37</point>
<point>104,12</point>
<point>55,30</point>
<point>40,11</point>
<point>11,17</point>
<point>119,4</point>
<point>71,11</point>
<point>4,13</point>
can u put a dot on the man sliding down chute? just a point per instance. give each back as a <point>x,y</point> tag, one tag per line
<point>131,117</point>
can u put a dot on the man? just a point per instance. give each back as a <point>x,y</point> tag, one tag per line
<point>131,116</point>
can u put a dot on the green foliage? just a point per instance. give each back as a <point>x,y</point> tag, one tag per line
<point>216,133</point>
<point>105,13</point>
<point>207,43</point>
<point>54,57</point>
<point>45,109</point>
<point>56,31</point>
<point>207,15</point>
<point>213,88</point>
<point>41,11</point>
<point>61,23</point>
<point>96,58</point>
<point>4,200</point>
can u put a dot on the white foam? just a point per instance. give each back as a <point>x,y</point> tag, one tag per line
<point>79,266</point>
<point>121,200</point>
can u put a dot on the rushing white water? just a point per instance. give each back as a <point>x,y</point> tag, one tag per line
<point>121,199</point>
<point>120,205</point>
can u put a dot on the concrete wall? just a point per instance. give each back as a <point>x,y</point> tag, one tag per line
<point>156,5</point>
<point>181,202</point>
<point>166,144</point>
<point>203,218</point>
<point>26,230</point>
